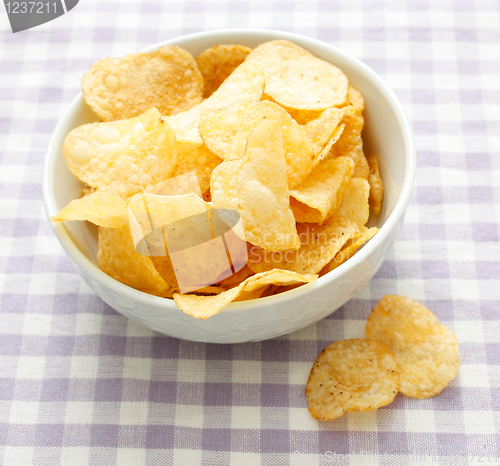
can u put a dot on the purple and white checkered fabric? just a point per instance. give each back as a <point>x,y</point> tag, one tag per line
<point>80,384</point>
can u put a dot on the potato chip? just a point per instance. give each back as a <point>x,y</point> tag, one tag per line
<point>118,258</point>
<point>148,213</point>
<point>325,152</point>
<point>320,130</point>
<point>302,117</point>
<point>376,185</point>
<point>354,203</point>
<point>169,293</point>
<point>122,157</point>
<point>238,143</point>
<point>203,307</point>
<point>187,183</point>
<point>243,86</point>
<point>297,79</point>
<point>321,193</point>
<point>195,157</point>
<point>119,88</point>
<point>101,209</point>
<point>255,185</point>
<point>217,63</point>
<point>198,248</point>
<point>164,266</point>
<point>351,375</point>
<point>349,248</point>
<point>228,224</point>
<point>318,246</point>
<point>280,289</point>
<point>209,290</point>
<point>218,131</point>
<point>271,290</point>
<point>355,99</point>
<point>152,211</point>
<point>426,351</point>
<point>350,142</point>
<point>254,294</point>
<point>238,277</point>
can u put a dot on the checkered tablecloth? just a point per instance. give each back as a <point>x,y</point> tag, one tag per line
<point>82,385</point>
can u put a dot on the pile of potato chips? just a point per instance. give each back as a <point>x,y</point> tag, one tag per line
<point>273,133</point>
<point>407,350</point>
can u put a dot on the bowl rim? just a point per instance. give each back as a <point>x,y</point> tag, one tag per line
<point>403,200</point>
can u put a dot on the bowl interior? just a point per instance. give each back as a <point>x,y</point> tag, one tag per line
<point>386,134</point>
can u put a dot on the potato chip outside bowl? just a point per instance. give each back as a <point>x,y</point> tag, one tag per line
<point>387,134</point>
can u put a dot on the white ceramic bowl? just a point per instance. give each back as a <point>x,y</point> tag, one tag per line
<point>387,134</point>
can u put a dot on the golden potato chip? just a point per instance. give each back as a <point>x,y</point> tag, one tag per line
<point>238,277</point>
<point>376,185</point>
<point>150,217</point>
<point>203,307</point>
<point>101,209</point>
<point>254,294</point>
<point>238,143</point>
<point>320,130</point>
<point>169,293</point>
<point>164,266</point>
<point>325,152</point>
<point>243,86</point>
<point>218,62</point>
<point>119,88</point>
<point>280,289</point>
<point>187,183</point>
<point>350,142</point>
<point>122,157</point>
<point>354,203</point>
<point>297,79</point>
<point>321,193</point>
<point>255,185</point>
<point>209,290</point>
<point>218,131</point>
<point>195,157</point>
<point>302,117</point>
<point>426,351</point>
<point>351,375</point>
<point>318,246</point>
<point>228,223</point>
<point>270,290</point>
<point>148,213</point>
<point>118,258</point>
<point>317,124</point>
<point>354,99</point>
<point>349,248</point>
<point>87,190</point>
<point>152,211</point>
<point>197,248</point>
